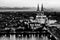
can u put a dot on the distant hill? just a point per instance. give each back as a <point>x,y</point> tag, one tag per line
<point>13,8</point>
<point>24,9</point>
<point>17,9</point>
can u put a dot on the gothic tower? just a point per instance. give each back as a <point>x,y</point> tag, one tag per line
<point>38,8</point>
<point>42,7</point>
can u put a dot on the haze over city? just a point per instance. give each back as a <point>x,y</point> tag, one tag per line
<point>48,4</point>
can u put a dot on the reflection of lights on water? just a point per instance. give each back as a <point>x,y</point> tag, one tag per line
<point>5,35</point>
<point>13,37</point>
<point>19,35</point>
<point>31,37</point>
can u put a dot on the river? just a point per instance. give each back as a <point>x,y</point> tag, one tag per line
<point>23,37</point>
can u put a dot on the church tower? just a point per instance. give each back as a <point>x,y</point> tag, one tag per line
<point>38,8</point>
<point>42,7</point>
<point>42,10</point>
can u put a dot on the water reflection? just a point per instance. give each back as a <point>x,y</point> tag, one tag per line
<point>23,37</point>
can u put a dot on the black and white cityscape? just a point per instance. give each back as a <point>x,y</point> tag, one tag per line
<point>28,24</point>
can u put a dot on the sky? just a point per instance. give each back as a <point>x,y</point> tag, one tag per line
<point>55,4</point>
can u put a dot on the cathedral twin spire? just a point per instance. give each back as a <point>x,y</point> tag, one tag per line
<point>38,9</point>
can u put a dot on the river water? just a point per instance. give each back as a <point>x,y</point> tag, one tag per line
<point>23,37</point>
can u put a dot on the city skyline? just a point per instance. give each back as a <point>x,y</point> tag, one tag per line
<point>49,4</point>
